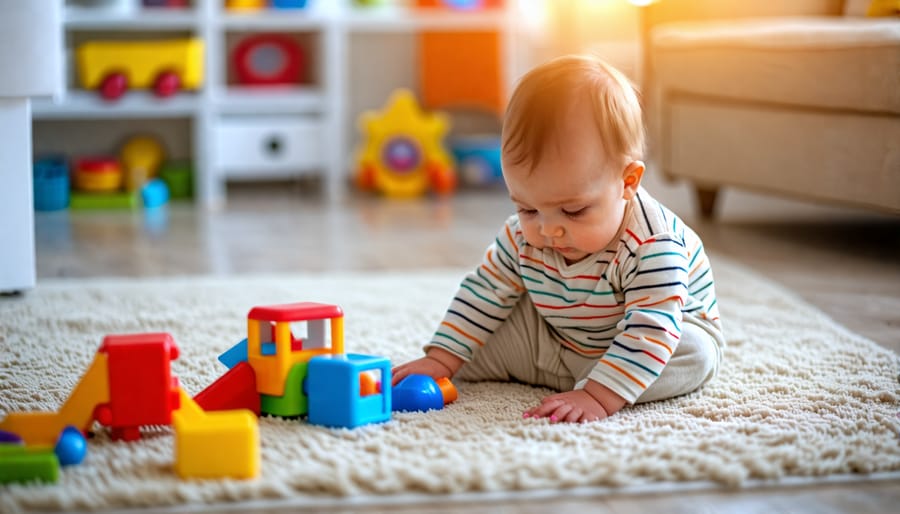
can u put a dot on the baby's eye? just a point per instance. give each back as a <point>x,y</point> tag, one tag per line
<point>572,213</point>
<point>527,212</point>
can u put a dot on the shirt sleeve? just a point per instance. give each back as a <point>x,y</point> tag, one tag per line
<point>485,297</point>
<point>654,281</point>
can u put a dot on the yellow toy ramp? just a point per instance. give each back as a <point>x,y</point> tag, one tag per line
<point>215,444</point>
<point>43,428</point>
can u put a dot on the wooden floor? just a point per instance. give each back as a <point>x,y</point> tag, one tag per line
<point>844,261</point>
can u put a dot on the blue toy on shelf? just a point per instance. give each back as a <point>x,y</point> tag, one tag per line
<point>477,159</point>
<point>154,193</point>
<point>51,184</point>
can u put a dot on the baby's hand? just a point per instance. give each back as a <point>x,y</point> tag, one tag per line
<point>594,402</point>
<point>572,406</point>
<point>424,366</point>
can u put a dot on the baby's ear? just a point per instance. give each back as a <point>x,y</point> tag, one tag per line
<point>631,178</point>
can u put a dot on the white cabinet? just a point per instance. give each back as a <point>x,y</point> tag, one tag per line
<point>30,60</point>
<point>309,126</point>
<point>251,146</point>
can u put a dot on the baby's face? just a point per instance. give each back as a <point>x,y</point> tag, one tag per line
<point>574,200</point>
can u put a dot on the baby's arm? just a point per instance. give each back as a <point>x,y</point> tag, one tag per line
<point>594,402</point>
<point>437,363</point>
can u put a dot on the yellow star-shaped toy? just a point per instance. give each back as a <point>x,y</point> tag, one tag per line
<point>402,152</point>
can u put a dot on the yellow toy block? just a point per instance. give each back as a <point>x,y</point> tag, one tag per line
<point>141,61</point>
<point>215,444</point>
<point>43,428</point>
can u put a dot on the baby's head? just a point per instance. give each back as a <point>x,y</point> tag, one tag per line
<point>538,117</point>
<point>573,137</point>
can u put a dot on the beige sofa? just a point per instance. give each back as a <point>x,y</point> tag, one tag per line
<point>800,98</point>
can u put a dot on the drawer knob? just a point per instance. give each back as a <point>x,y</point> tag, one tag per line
<point>273,145</point>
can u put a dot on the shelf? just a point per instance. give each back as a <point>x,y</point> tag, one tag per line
<point>138,19</point>
<point>249,100</point>
<point>82,104</point>
<point>287,19</point>
<point>398,19</point>
<point>315,116</point>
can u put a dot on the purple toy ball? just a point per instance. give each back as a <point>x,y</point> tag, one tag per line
<point>71,446</point>
<point>10,438</point>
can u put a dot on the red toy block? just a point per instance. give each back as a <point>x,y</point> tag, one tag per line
<point>236,389</point>
<point>142,389</point>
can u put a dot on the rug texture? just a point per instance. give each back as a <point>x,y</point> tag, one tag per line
<point>797,396</point>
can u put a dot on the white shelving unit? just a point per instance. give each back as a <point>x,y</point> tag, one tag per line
<point>311,125</point>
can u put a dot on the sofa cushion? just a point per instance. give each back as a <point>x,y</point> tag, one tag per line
<point>819,62</point>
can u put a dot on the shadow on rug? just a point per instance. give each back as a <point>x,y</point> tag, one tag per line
<point>797,396</point>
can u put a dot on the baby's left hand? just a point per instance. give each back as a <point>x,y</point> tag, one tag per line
<point>572,406</point>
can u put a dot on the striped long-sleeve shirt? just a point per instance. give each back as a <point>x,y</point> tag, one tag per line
<point>624,305</point>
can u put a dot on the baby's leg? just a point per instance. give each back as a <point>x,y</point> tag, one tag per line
<point>694,363</point>
<point>521,350</point>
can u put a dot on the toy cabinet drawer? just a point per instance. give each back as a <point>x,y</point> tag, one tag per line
<point>257,146</point>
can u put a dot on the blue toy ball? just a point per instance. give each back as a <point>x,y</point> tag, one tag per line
<point>417,393</point>
<point>155,193</point>
<point>71,447</point>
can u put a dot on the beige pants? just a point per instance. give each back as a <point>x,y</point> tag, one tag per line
<point>524,350</point>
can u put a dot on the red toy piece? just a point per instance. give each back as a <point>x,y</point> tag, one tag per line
<point>142,389</point>
<point>236,389</point>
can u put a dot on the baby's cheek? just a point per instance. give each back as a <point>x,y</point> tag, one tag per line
<point>532,235</point>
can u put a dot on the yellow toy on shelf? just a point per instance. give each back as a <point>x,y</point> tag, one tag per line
<point>166,66</point>
<point>402,152</point>
<point>141,156</point>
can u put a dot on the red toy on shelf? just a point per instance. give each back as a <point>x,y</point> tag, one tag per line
<point>268,59</point>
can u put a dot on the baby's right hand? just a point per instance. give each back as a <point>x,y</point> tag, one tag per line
<point>427,365</point>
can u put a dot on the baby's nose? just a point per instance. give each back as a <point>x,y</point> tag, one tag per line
<point>552,230</point>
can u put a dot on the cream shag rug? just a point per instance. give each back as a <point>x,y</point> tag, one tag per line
<point>797,396</point>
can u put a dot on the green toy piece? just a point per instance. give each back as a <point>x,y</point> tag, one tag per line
<point>294,402</point>
<point>27,464</point>
<point>124,200</point>
<point>179,177</point>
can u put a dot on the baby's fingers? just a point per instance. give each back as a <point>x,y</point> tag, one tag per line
<point>562,412</point>
<point>543,410</point>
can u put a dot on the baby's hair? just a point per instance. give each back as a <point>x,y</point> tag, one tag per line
<point>546,93</point>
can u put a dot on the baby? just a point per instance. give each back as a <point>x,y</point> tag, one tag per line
<point>593,288</point>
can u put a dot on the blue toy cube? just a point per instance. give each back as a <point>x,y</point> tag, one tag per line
<point>336,398</point>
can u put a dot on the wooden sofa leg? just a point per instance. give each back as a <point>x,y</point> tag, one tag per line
<point>706,200</point>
